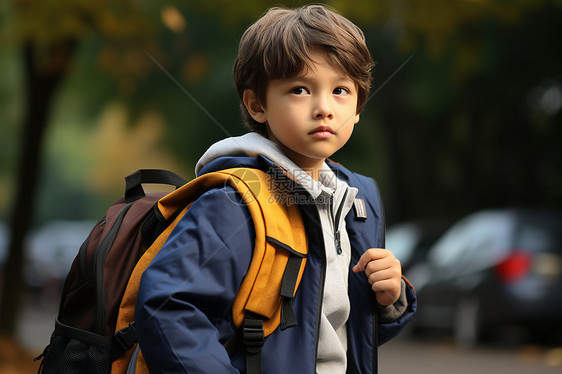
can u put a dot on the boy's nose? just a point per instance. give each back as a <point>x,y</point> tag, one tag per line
<point>323,109</point>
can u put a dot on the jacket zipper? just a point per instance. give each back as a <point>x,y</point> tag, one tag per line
<point>336,220</point>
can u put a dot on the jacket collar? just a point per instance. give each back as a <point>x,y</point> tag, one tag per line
<point>263,163</point>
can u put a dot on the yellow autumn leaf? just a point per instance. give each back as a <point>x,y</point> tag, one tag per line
<point>173,19</point>
<point>119,148</point>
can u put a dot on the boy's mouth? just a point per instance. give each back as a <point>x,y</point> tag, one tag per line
<point>322,132</point>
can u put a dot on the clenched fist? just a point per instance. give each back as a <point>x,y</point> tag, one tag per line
<point>384,273</point>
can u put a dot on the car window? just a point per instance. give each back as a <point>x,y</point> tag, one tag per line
<point>489,242</point>
<point>451,245</point>
<point>473,243</point>
<point>401,240</point>
<point>540,234</point>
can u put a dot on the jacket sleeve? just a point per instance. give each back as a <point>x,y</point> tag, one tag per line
<point>393,312</point>
<point>390,327</point>
<point>186,294</point>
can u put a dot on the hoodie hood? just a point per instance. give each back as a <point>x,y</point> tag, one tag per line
<point>251,144</point>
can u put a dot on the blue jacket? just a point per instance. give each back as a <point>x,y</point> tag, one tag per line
<point>183,308</point>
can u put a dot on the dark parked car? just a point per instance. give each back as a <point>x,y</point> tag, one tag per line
<point>494,271</point>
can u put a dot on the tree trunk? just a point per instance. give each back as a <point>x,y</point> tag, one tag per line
<point>44,70</point>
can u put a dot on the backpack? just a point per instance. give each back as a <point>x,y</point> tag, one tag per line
<point>95,331</point>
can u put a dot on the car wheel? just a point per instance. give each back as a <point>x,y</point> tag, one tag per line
<point>467,329</point>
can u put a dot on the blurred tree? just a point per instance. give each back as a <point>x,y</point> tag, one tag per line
<point>42,79</point>
<point>48,34</point>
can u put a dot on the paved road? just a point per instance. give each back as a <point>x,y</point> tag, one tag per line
<point>402,355</point>
<point>405,355</point>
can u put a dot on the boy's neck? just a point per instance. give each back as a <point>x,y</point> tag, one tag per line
<point>314,173</point>
<point>311,166</point>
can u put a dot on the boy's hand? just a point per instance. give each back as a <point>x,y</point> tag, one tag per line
<point>384,273</point>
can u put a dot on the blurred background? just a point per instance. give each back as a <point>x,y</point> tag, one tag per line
<point>464,121</point>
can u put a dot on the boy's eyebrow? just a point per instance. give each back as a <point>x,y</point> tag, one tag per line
<point>305,79</point>
<point>297,78</point>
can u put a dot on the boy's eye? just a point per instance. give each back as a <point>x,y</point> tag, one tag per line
<point>299,91</point>
<point>341,91</point>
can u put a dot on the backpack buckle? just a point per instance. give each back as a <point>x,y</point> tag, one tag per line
<point>253,335</point>
<point>127,337</point>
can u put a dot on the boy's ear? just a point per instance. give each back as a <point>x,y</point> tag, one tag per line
<point>254,106</point>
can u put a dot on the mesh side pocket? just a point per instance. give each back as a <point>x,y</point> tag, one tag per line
<point>75,351</point>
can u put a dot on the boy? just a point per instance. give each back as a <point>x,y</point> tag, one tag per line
<point>303,77</point>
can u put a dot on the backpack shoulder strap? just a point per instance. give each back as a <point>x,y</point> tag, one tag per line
<point>264,300</point>
<point>279,255</point>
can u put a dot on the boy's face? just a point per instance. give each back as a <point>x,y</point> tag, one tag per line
<point>310,116</point>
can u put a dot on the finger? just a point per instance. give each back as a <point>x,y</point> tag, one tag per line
<point>357,269</point>
<point>382,264</point>
<point>368,256</point>
<point>387,292</point>
<point>382,275</point>
<point>386,286</point>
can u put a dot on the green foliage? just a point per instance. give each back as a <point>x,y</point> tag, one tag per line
<point>482,86</point>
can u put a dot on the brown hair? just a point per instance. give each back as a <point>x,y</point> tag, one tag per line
<point>277,46</point>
